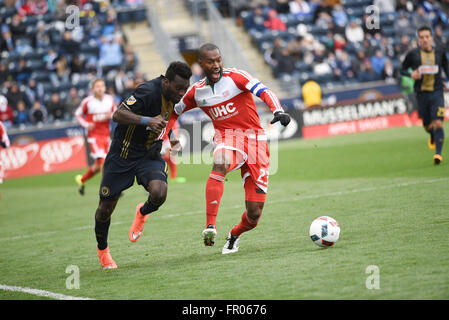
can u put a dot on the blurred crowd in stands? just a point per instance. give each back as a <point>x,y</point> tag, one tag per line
<point>338,41</point>
<point>48,61</point>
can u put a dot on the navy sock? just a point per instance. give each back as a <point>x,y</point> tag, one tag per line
<point>432,136</point>
<point>148,207</point>
<point>101,233</point>
<point>439,139</point>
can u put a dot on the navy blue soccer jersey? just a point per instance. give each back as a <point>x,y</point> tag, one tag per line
<point>133,141</point>
<point>431,64</point>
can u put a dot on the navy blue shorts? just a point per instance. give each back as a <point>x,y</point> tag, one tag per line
<point>119,174</point>
<point>430,106</point>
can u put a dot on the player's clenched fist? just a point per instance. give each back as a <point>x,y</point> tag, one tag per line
<point>157,123</point>
<point>416,75</point>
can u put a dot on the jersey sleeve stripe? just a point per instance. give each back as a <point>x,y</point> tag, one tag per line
<point>161,135</point>
<point>275,101</point>
<point>254,87</point>
<point>258,93</point>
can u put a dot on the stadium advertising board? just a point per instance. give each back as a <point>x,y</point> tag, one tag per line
<point>358,117</point>
<point>44,156</point>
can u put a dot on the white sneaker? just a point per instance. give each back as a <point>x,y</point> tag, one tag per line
<point>209,235</point>
<point>232,244</point>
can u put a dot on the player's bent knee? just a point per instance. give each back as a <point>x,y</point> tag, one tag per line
<point>158,192</point>
<point>104,210</point>
<point>158,197</point>
<point>254,211</point>
<point>220,168</point>
<point>437,124</point>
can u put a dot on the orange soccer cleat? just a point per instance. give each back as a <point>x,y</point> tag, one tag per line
<point>136,230</point>
<point>437,159</point>
<point>106,259</point>
<point>430,144</point>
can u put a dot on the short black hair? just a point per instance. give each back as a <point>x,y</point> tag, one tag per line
<point>179,68</point>
<point>424,28</point>
<point>206,47</point>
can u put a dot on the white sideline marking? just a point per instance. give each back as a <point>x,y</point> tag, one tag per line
<point>312,196</point>
<point>40,293</point>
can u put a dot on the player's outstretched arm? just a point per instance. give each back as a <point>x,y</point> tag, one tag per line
<point>247,83</point>
<point>124,115</point>
<point>274,104</point>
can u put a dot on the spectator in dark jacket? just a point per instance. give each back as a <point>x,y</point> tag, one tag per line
<point>38,113</point>
<point>322,8</point>
<point>57,108</point>
<point>22,71</point>
<point>368,73</point>
<point>14,95</point>
<point>17,27</point>
<point>285,64</point>
<point>68,45</point>
<point>5,74</point>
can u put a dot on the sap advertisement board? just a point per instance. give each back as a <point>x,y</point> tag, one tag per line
<point>40,151</point>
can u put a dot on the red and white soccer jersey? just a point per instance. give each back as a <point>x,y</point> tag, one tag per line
<point>5,139</point>
<point>230,105</point>
<point>97,112</point>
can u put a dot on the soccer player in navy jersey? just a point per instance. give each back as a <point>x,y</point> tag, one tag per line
<point>427,62</point>
<point>135,153</point>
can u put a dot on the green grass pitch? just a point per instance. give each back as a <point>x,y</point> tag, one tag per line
<point>382,187</point>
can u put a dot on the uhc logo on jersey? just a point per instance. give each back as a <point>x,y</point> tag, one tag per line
<point>223,111</point>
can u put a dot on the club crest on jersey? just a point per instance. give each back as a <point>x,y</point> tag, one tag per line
<point>131,100</point>
<point>226,94</point>
<point>105,191</point>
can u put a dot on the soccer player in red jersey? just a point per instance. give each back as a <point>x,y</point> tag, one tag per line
<point>94,114</point>
<point>226,96</point>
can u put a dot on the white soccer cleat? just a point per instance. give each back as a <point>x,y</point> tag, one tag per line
<point>232,244</point>
<point>209,235</point>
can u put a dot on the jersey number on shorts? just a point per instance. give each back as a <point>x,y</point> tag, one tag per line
<point>263,173</point>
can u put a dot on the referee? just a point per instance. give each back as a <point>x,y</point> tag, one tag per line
<point>427,62</point>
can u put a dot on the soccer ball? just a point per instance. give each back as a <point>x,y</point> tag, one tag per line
<point>324,231</point>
